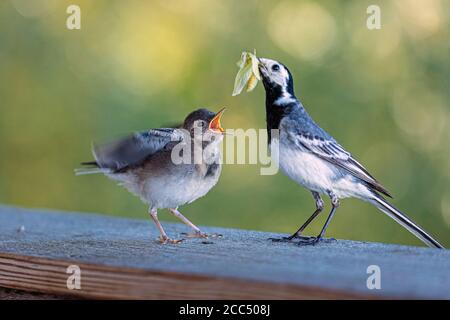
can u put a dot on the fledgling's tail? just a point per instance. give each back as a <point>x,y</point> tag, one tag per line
<point>94,168</point>
<point>406,222</point>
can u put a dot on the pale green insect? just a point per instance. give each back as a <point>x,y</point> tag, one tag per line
<point>248,74</point>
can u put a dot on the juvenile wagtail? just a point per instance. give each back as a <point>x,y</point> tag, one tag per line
<point>143,163</point>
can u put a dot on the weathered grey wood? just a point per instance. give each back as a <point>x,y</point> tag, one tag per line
<point>120,258</point>
<point>11,294</point>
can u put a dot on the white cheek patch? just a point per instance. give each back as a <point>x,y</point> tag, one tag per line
<point>280,77</point>
<point>285,74</point>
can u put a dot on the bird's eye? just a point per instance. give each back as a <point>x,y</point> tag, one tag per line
<point>275,67</point>
<point>200,124</point>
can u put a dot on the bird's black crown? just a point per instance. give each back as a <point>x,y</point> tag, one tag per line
<point>199,114</point>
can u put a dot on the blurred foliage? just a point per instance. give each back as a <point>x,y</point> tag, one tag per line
<point>141,64</point>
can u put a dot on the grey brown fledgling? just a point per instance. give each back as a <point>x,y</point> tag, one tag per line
<point>166,167</point>
<point>313,158</point>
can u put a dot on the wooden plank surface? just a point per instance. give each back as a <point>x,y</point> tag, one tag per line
<point>119,258</point>
<point>11,294</point>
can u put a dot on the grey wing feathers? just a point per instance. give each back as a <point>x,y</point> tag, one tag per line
<point>134,149</point>
<point>330,150</point>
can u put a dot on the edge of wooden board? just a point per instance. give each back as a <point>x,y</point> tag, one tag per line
<point>37,274</point>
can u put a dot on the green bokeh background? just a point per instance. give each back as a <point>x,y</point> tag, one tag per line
<point>384,94</point>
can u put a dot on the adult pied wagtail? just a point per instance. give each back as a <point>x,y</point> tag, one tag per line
<point>312,157</point>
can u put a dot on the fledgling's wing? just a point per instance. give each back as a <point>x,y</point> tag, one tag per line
<point>131,151</point>
<point>331,151</point>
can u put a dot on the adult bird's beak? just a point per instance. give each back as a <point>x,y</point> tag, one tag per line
<point>262,67</point>
<point>214,124</point>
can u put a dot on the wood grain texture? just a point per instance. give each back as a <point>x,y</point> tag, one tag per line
<point>12,294</point>
<point>102,282</point>
<point>120,259</point>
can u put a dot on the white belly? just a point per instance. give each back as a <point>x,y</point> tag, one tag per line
<point>171,193</point>
<point>316,174</point>
<point>166,191</point>
<point>306,169</point>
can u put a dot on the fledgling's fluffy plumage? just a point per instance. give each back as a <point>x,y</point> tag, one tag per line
<point>313,158</point>
<point>147,165</point>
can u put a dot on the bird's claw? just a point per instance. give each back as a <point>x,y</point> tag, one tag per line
<point>291,238</point>
<point>167,240</point>
<point>201,235</point>
<point>309,242</point>
<point>215,235</point>
<point>315,240</point>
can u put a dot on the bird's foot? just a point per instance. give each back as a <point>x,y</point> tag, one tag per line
<point>202,235</point>
<point>167,240</point>
<point>315,240</point>
<point>291,238</point>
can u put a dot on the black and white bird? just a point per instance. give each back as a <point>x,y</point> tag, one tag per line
<point>166,167</point>
<point>313,158</point>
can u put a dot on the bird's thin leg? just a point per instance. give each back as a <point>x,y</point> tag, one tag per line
<point>319,208</point>
<point>335,205</point>
<point>163,237</point>
<point>197,232</point>
<point>297,234</point>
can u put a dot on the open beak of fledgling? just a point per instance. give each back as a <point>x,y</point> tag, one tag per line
<point>214,124</point>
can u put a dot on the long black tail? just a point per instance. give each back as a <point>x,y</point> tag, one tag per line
<point>406,222</point>
<point>90,163</point>
<point>92,168</point>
